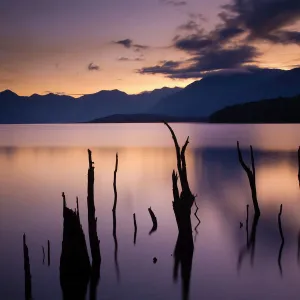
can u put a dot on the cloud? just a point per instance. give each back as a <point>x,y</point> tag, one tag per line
<point>122,58</point>
<point>264,19</point>
<point>231,44</point>
<point>56,93</point>
<point>93,67</point>
<point>174,2</point>
<point>128,43</point>
<point>207,61</point>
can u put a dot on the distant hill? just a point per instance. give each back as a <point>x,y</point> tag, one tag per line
<point>146,118</point>
<point>52,108</point>
<point>214,92</point>
<point>280,110</point>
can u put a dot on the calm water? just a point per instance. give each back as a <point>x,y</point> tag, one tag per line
<point>39,162</point>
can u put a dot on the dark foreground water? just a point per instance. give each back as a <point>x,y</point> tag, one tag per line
<point>39,162</point>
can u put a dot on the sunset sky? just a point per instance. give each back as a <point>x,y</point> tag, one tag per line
<point>80,47</point>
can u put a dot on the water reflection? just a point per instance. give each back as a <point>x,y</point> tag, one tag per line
<point>250,245</point>
<point>28,174</point>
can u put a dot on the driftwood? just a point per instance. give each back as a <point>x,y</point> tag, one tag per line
<point>115,219</point>
<point>75,265</point>
<point>28,295</point>
<point>93,236</point>
<point>282,240</point>
<point>251,176</point>
<point>154,221</point>
<point>182,204</point>
<point>135,229</point>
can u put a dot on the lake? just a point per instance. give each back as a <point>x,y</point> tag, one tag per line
<point>39,162</point>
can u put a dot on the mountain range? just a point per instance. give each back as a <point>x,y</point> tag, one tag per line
<point>196,101</point>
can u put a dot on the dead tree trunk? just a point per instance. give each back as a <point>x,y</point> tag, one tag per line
<point>182,204</point>
<point>299,166</point>
<point>28,295</point>
<point>251,176</point>
<point>92,220</point>
<point>154,221</point>
<point>115,219</point>
<point>282,239</point>
<point>135,229</point>
<point>93,236</point>
<point>48,253</point>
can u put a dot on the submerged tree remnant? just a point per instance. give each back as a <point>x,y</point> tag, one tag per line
<point>182,204</point>
<point>250,244</point>
<point>48,253</point>
<point>43,249</point>
<point>115,219</point>
<point>299,165</point>
<point>198,221</point>
<point>251,176</point>
<point>75,265</point>
<point>154,221</point>
<point>135,229</point>
<point>93,236</point>
<point>28,295</point>
<point>282,239</point>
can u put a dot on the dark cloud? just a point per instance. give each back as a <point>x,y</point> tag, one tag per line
<point>93,67</point>
<point>230,44</point>
<point>217,59</point>
<point>285,37</point>
<point>174,2</point>
<point>263,19</point>
<point>56,93</point>
<point>127,43</point>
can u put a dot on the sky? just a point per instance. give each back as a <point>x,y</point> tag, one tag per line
<point>79,47</point>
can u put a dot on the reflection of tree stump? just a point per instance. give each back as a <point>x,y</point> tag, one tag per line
<point>74,261</point>
<point>250,245</point>
<point>182,204</point>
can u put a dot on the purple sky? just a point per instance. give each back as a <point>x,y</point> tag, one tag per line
<point>78,47</point>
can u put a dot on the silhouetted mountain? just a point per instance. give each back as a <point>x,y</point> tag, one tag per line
<point>146,118</point>
<point>213,92</point>
<point>280,110</point>
<point>52,108</point>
